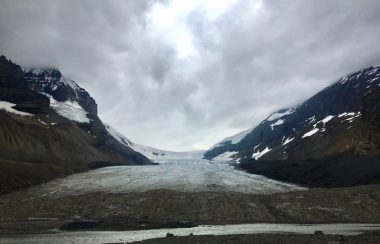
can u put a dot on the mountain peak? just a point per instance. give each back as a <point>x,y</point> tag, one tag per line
<point>49,75</point>
<point>362,75</point>
<point>47,71</point>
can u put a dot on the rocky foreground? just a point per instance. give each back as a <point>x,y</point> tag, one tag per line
<point>318,238</point>
<point>23,212</point>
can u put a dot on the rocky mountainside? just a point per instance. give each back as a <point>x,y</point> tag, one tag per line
<point>330,140</point>
<point>337,119</point>
<point>49,128</point>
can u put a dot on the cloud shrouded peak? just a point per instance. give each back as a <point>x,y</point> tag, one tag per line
<point>182,75</point>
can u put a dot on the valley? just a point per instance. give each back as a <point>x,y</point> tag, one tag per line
<point>174,194</point>
<point>66,176</point>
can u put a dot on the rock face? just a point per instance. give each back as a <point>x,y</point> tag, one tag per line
<point>50,124</point>
<point>370,124</point>
<point>52,82</point>
<point>339,119</point>
<point>340,170</point>
<point>15,90</point>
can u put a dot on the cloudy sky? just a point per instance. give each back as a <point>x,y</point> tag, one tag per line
<point>182,75</point>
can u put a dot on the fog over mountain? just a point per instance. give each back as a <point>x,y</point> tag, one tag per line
<point>182,75</point>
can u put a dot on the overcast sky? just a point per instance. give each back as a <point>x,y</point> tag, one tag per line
<point>182,75</point>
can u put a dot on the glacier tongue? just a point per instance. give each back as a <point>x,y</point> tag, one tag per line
<point>186,175</point>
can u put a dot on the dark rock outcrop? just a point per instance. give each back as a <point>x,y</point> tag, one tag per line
<point>15,90</point>
<point>370,124</point>
<point>341,170</point>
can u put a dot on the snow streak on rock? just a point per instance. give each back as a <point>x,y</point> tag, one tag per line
<point>259,154</point>
<point>278,122</point>
<point>8,107</point>
<point>278,115</point>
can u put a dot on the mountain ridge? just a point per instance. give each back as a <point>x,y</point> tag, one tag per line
<point>339,103</point>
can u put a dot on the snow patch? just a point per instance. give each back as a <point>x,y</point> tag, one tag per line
<point>42,122</point>
<point>315,130</point>
<point>327,119</point>
<point>352,117</point>
<point>310,133</point>
<point>117,135</point>
<point>346,114</point>
<point>259,154</point>
<point>254,149</point>
<point>311,119</point>
<point>343,80</point>
<point>288,140</point>
<point>70,110</point>
<point>8,107</point>
<point>372,71</point>
<point>349,116</point>
<point>372,80</point>
<point>278,115</point>
<point>225,157</point>
<point>233,139</point>
<point>278,122</point>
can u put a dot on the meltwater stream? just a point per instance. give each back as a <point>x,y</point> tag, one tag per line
<point>130,236</point>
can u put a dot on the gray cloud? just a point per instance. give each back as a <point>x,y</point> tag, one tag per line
<point>247,62</point>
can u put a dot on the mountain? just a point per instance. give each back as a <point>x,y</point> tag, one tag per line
<point>337,125</point>
<point>312,129</point>
<point>50,128</point>
<point>153,153</point>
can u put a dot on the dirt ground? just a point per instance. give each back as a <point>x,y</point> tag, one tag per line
<point>23,212</point>
<point>370,238</point>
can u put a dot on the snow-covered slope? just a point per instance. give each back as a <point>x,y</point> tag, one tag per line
<point>69,109</point>
<point>150,152</point>
<point>233,139</point>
